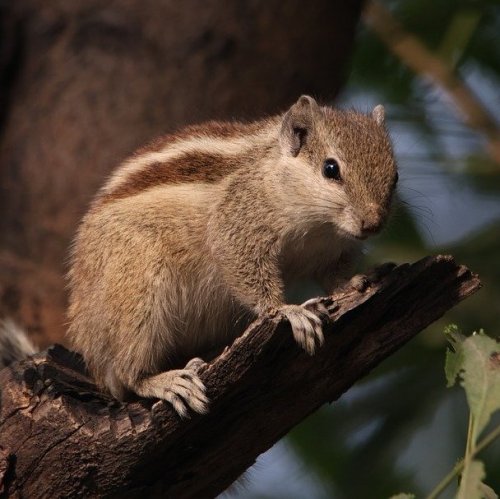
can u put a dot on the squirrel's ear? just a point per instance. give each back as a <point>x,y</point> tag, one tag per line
<point>297,124</point>
<point>378,114</point>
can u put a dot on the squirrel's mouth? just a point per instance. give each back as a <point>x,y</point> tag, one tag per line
<point>357,234</point>
<point>361,237</point>
<point>351,234</point>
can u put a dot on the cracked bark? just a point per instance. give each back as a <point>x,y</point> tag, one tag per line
<point>61,438</point>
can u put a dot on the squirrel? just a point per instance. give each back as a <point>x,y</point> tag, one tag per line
<point>204,230</point>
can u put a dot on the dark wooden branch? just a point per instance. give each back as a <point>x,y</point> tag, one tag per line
<point>59,437</point>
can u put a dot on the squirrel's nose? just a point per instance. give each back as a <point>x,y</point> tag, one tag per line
<point>372,219</point>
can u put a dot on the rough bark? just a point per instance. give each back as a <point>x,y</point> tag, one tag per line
<point>85,82</point>
<point>61,438</point>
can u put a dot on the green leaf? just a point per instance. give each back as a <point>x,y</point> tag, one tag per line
<point>476,360</point>
<point>481,378</point>
<point>403,496</point>
<point>470,484</point>
<point>488,492</point>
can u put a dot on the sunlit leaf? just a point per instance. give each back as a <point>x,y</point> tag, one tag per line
<point>470,484</point>
<point>487,491</point>
<point>476,360</point>
<point>481,378</point>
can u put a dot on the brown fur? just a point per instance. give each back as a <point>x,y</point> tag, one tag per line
<point>206,229</point>
<point>221,129</point>
<point>191,167</point>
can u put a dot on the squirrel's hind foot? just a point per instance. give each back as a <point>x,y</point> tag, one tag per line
<point>181,387</point>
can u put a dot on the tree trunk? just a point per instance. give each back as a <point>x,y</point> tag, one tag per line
<point>85,82</point>
<point>60,437</point>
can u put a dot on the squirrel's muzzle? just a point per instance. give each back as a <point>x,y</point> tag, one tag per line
<point>372,219</point>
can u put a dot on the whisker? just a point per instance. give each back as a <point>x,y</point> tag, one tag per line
<point>424,211</point>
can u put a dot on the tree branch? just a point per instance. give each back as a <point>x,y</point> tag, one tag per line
<point>412,52</point>
<point>60,437</point>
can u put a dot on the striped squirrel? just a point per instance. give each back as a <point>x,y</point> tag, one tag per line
<point>199,233</point>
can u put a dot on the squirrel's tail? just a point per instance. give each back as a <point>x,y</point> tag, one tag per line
<point>14,344</point>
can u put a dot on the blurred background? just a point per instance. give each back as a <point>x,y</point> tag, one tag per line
<point>83,83</point>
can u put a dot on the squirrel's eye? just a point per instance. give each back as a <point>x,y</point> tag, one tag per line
<point>331,170</point>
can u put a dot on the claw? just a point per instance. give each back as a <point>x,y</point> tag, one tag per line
<point>182,388</point>
<point>177,403</point>
<point>320,307</point>
<point>306,325</point>
<point>195,364</point>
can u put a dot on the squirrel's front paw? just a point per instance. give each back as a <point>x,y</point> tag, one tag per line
<point>322,306</point>
<point>360,282</point>
<point>306,326</point>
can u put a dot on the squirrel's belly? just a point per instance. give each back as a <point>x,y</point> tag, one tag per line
<point>211,318</point>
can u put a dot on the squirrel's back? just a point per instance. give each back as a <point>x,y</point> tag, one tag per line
<point>205,153</point>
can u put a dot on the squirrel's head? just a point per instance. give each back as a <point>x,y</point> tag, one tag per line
<point>337,166</point>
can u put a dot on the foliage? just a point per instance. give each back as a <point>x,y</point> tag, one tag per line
<point>476,362</point>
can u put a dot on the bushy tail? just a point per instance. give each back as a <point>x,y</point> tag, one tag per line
<point>14,344</point>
